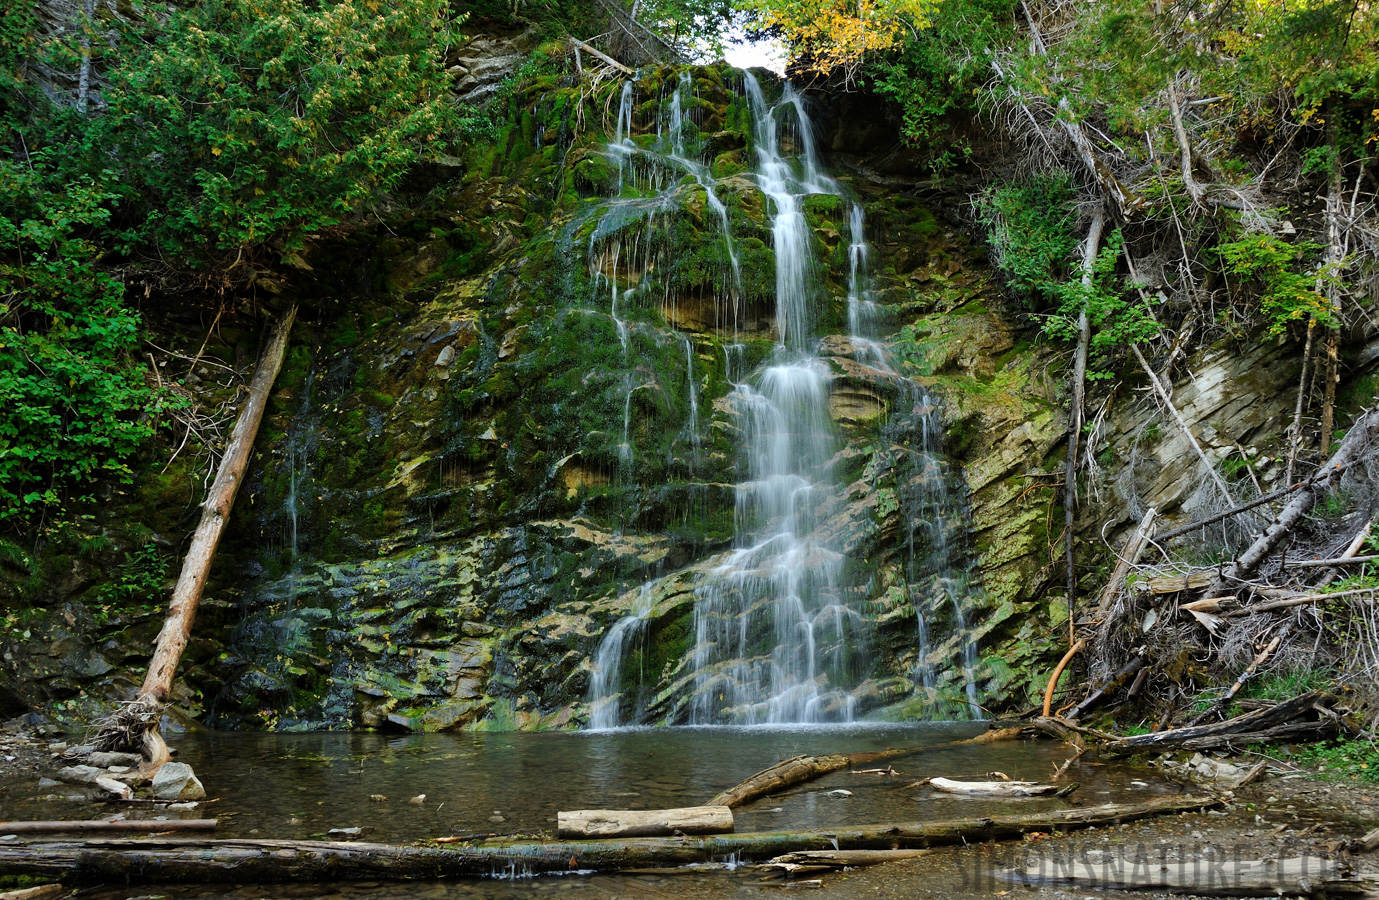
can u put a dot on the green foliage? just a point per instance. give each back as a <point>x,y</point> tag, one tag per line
<point>1116,319</point>
<point>137,583</point>
<point>1347,759</point>
<point>252,122</point>
<point>935,77</point>
<point>73,404</point>
<point>1030,226</point>
<point>1285,295</point>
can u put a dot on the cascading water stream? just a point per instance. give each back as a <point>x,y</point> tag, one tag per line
<point>776,638</point>
<point>770,623</point>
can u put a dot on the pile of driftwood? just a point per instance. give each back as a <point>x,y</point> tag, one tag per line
<point>1173,635</point>
<point>1312,716</point>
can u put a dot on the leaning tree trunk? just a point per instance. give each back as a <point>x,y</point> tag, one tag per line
<point>140,719</point>
<point>1079,384</point>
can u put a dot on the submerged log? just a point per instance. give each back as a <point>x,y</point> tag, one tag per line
<point>108,825</point>
<point>155,860</point>
<point>644,822</point>
<point>797,770</point>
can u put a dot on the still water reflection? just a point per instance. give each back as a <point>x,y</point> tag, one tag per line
<point>301,786</point>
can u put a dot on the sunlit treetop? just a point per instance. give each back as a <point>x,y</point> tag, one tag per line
<point>832,35</point>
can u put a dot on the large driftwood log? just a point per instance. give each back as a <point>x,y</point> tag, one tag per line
<point>581,823</point>
<point>1300,876</point>
<point>1237,730</point>
<point>155,860</point>
<point>796,770</point>
<point>995,788</point>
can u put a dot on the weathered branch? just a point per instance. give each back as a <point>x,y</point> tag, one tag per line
<point>797,770</point>
<point>1361,435</point>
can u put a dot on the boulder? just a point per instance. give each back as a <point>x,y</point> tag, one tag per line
<point>177,781</point>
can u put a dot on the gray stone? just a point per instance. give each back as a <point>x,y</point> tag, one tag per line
<point>80,774</point>
<point>106,760</point>
<point>177,781</point>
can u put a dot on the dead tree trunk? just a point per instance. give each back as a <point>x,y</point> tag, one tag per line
<point>1362,434</point>
<point>140,719</point>
<point>1079,383</point>
<point>1334,254</point>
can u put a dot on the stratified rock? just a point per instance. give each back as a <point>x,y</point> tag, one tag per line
<point>177,781</point>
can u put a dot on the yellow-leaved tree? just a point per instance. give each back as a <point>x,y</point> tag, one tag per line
<point>838,35</point>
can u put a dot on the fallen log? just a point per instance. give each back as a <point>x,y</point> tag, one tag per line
<point>189,860</point>
<point>108,825</point>
<point>1358,439</point>
<point>644,823</point>
<point>1129,556</point>
<point>796,770</point>
<point>41,892</point>
<point>1302,876</point>
<point>811,861</point>
<point>601,56</point>
<point>1172,584</point>
<point>1274,720</point>
<point>997,788</point>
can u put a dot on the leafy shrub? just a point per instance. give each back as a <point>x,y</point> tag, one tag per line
<point>73,404</point>
<point>250,123</point>
<point>1285,294</point>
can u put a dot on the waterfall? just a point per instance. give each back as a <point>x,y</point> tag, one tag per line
<point>778,632</point>
<point>771,627</point>
<point>604,710</point>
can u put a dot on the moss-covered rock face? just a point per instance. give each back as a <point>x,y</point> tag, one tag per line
<point>508,421</point>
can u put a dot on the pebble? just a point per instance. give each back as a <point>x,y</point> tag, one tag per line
<point>377,798</point>
<point>839,793</point>
<point>419,798</point>
<point>496,819</point>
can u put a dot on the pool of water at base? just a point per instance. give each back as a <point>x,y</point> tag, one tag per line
<point>299,786</point>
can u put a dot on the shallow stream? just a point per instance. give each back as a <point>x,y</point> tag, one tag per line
<point>298,786</point>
